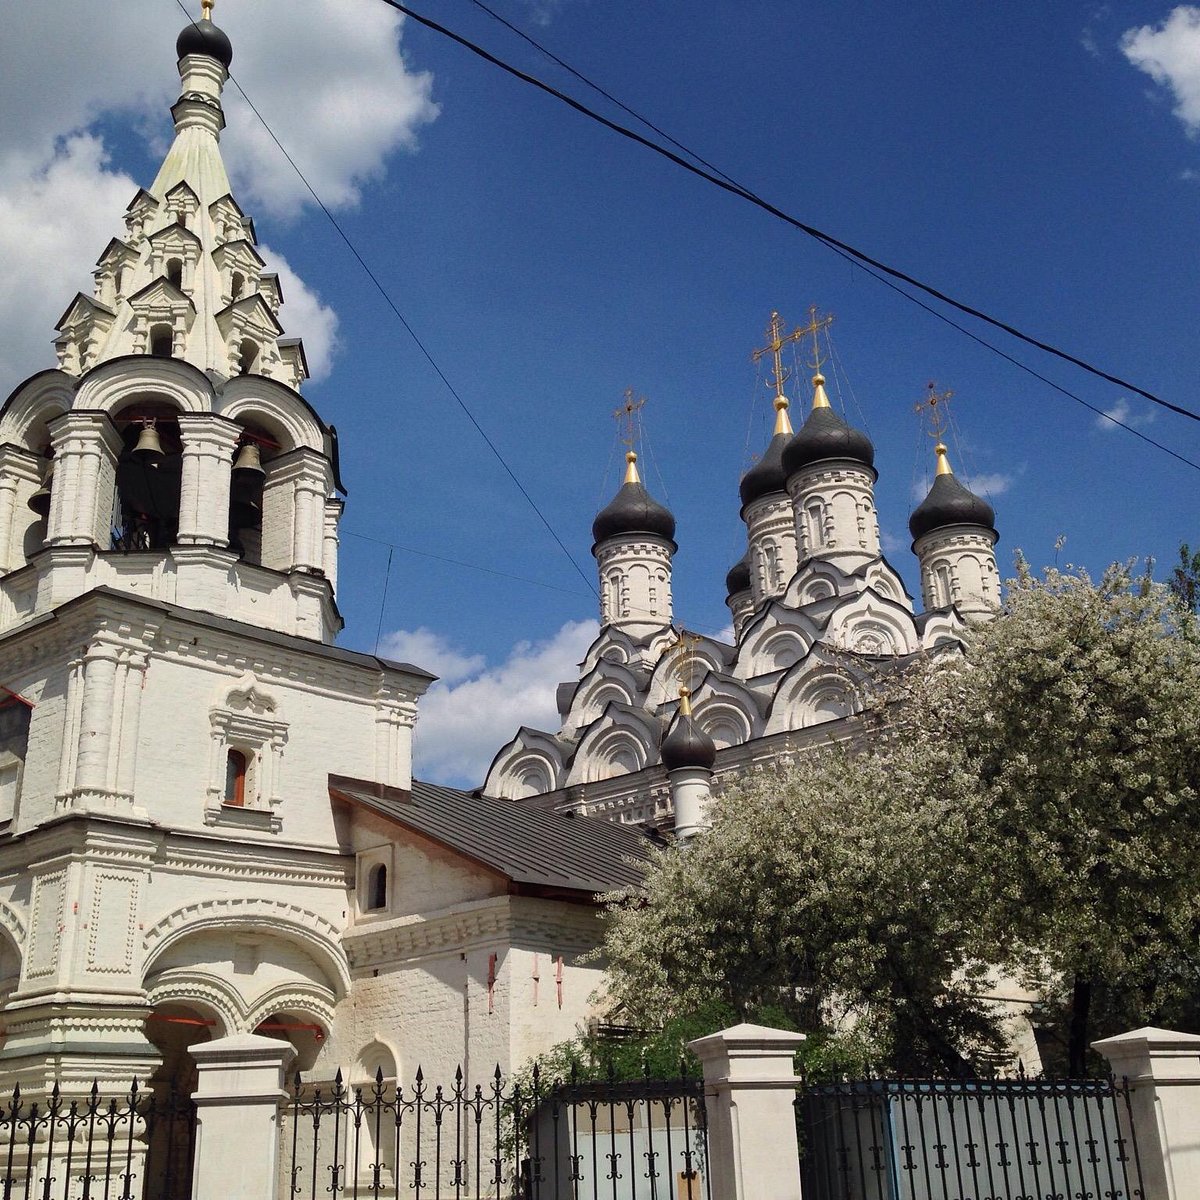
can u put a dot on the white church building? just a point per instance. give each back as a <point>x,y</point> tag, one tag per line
<point>208,821</point>
<point>188,847</point>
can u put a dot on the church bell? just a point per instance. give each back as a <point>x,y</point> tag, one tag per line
<point>247,467</point>
<point>40,500</point>
<point>148,450</point>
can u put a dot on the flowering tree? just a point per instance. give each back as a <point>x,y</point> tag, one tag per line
<point>1032,805</point>
<point>832,889</point>
<point>1073,731</point>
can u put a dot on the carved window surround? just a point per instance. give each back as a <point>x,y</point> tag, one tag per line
<point>247,721</point>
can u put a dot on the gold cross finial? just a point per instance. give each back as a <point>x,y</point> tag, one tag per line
<point>776,340</point>
<point>933,410</point>
<point>206,7</point>
<point>815,327</point>
<point>684,648</point>
<point>627,419</point>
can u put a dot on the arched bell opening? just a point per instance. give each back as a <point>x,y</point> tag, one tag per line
<point>305,1036</point>
<point>255,449</point>
<point>38,523</point>
<point>149,471</point>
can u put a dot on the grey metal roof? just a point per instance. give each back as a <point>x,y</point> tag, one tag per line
<point>534,848</point>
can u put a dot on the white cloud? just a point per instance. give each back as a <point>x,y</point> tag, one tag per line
<point>993,484</point>
<point>465,718</point>
<point>331,81</point>
<point>329,77</point>
<point>424,648</point>
<point>1170,54</point>
<point>1109,418</point>
<point>1124,412</point>
<point>53,224</point>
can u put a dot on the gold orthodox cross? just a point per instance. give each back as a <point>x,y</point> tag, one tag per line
<point>626,417</point>
<point>932,409</point>
<point>684,647</point>
<point>776,340</point>
<point>815,327</point>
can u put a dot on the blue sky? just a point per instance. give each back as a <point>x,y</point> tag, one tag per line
<point>1038,161</point>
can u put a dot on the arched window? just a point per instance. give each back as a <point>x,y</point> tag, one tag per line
<point>162,341</point>
<point>247,356</point>
<point>175,271</point>
<point>816,526</point>
<point>237,286</point>
<point>235,779</point>
<point>377,896</point>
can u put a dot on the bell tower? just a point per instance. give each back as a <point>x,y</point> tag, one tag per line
<point>171,453</point>
<point>172,703</point>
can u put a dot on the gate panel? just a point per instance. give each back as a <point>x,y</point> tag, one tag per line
<point>979,1139</point>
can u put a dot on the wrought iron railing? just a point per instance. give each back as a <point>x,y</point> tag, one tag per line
<point>1003,1139</point>
<point>63,1146</point>
<point>569,1139</point>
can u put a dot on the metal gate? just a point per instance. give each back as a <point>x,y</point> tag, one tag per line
<point>570,1139</point>
<point>999,1139</point>
<point>136,1146</point>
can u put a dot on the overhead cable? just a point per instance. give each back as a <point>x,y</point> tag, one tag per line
<point>462,404</point>
<point>725,184</point>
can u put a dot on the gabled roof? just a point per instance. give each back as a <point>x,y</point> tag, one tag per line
<point>252,307</point>
<point>176,230</point>
<point>142,199</point>
<point>83,303</point>
<point>539,851</point>
<point>166,288</point>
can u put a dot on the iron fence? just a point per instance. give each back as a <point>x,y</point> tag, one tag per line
<point>569,1139</point>
<point>977,1139</point>
<point>136,1146</point>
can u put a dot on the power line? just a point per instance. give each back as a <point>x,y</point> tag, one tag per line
<point>718,179</point>
<point>862,266</point>
<point>462,404</point>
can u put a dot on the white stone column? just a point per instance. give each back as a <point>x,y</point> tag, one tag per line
<point>691,789</point>
<point>86,446</point>
<point>749,1088</point>
<point>294,496</point>
<point>96,721</point>
<point>209,442</point>
<point>1162,1070</point>
<point>238,1093</point>
<point>329,555</point>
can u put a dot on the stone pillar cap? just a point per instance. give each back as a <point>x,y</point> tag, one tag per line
<point>747,1037</point>
<point>1148,1038</point>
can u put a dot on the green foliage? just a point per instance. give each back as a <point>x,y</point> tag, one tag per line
<point>1185,579</point>
<point>1031,805</point>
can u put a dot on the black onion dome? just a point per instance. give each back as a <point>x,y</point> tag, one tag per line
<point>738,579</point>
<point>766,476</point>
<point>949,503</point>
<point>633,510</point>
<point>825,435</point>
<point>203,37</point>
<point>687,745</point>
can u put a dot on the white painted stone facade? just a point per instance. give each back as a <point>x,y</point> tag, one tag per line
<point>823,612</point>
<point>173,869</point>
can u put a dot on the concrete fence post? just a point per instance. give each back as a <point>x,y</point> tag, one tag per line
<point>1163,1072</point>
<point>750,1089</point>
<point>238,1094</point>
